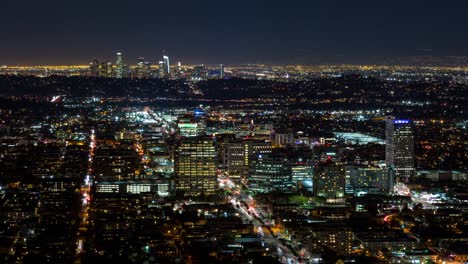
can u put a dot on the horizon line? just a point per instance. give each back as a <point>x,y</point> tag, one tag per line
<point>357,65</point>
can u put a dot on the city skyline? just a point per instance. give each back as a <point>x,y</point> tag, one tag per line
<point>297,132</point>
<point>213,32</point>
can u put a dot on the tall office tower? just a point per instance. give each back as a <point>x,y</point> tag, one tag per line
<point>94,68</point>
<point>222,139</point>
<point>399,148</point>
<point>270,172</point>
<point>161,69</point>
<point>140,67</point>
<point>302,174</point>
<point>195,166</point>
<point>200,118</point>
<point>115,163</point>
<point>233,159</point>
<point>199,72</point>
<point>110,69</point>
<point>167,68</point>
<point>147,70</point>
<point>221,71</point>
<point>119,67</point>
<point>180,72</point>
<point>301,158</point>
<point>329,181</point>
<point>105,68</point>
<point>238,155</point>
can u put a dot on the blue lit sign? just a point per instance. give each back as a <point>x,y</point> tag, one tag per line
<point>198,112</point>
<point>401,121</point>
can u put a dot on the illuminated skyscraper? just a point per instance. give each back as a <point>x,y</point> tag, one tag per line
<point>119,67</point>
<point>161,69</point>
<point>270,172</point>
<point>180,72</point>
<point>167,69</point>
<point>195,166</point>
<point>94,68</point>
<point>110,69</point>
<point>237,155</point>
<point>301,172</point>
<point>399,148</point>
<point>329,181</point>
<point>147,70</point>
<point>221,71</point>
<point>143,68</point>
<point>199,72</point>
<point>106,69</point>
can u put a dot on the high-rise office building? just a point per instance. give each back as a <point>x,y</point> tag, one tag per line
<point>119,67</point>
<point>147,71</point>
<point>329,181</point>
<point>195,166</point>
<point>110,69</point>
<point>94,68</point>
<point>237,155</point>
<point>199,72</point>
<point>233,159</point>
<point>102,69</point>
<point>270,172</point>
<point>143,68</point>
<point>161,71</point>
<point>399,148</point>
<point>180,72</point>
<point>116,163</point>
<point>140,67</point>
<point>167,67</point>
<point>301,158</point>
<point>106,69</point>
<point>221,71</point>
<point>301,171</point>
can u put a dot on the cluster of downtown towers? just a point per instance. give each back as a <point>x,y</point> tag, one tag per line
<point>143,69</point>
<point>269,169</point>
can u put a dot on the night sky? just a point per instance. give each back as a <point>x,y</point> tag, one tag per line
<point>230,32</point>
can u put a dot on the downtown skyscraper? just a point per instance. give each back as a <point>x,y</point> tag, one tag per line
<point>166,65</point>
<point>399,147</point>
<point>221,71</point>
<point>119,69</point>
